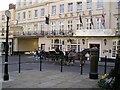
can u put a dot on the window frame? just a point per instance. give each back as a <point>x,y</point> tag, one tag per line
<point>79,6</point>
<point>70,7</point>
<point>53,10</point>
<point>61,8</point>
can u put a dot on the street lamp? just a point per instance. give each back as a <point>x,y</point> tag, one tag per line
<point>6,75</point>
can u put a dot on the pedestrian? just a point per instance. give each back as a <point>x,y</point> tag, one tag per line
<point>39,53</point>
<point>35,54</point>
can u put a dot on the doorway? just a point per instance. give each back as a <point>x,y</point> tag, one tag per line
<point>94,45</point>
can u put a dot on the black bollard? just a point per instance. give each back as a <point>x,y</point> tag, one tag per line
<point>40,64</point>
<point>19,63</point>
<point>61,65</point>
<point>81,67</point>
<point>105,66</point>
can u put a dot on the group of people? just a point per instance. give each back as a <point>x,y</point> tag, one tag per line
<point>38,53</point>
<point>70,55</point>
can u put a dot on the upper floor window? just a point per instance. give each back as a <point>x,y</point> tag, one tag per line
<point>36,1</point>
<point>53,26</point>
<point>100,4</point>
<point>42,11</point>
<point>3,17</point>
<point>89,23</point>
<point>79,6</point>
<point>118,23</point>
<point>29,14</point>
<point>70,7</point>
<point>118,3</point>
<point>19,4</point>
<point>35,27</point>
<point>24,2</point>
<point>53,9</point>
<point>98,23</point>
<point>18,16</point>
<point>36,13</point>
<point>89,4</point>
<point>61,25</point>
<point>30,1</point>
<point>62,8</point>
<point>79,25</point>
<point>42,27</point>
<point>3,27</point>
<point>24,15</point>
<point>70,25</point>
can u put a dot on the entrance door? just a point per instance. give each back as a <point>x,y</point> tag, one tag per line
<point>95,45</point>
<point>43,46</point>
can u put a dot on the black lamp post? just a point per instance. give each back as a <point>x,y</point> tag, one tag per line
<point>6,75</point>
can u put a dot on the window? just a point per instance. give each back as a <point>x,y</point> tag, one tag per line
<point>3,28</point>
<point>42,11</point>
<point>3,17</point>
<point>36,13</point>
<point>56,43</point>
<point>100,4</point>
<point>89,23</point>
<point>53,25</point>
<point>89,4</point>
<point>42,27</point>
<point>24,3</point>
<point>62,8</point>
<point>35,27</point>
<point>18,16</point>
<point>69,25</point>
<point>79,25</point>
<point>30,1</point>
<point>53,9</point>
<point>19,4</point>
<point>118,3</point>
<point>29,14</point>
<point>36,1</point>
<point>98,23</point>
<point>79,6</point>
<point>70,7</point>
<point>118,23</point>
<point>61,26</point>
<point>116,46</point>
<point>24,15</point>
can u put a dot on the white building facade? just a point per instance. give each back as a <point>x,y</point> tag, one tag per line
<point>73,24</point>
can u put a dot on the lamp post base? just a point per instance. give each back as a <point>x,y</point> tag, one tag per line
<point>6,77</point>
<point>93,75</point>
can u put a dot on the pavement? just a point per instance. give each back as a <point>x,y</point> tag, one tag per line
<point>49,79</point>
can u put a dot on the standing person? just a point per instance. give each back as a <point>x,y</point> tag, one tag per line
<point>36,54</point>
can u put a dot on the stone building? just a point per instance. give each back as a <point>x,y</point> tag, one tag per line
<point>68,24</point>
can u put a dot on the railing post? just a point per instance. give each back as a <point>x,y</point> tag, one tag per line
<point>19,64</point>
<point>61,64</point>
<point>81,71</point>
<point>105,66</point>
<point>40,63</point>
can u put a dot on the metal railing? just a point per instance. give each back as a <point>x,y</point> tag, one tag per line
<point>43,33</point>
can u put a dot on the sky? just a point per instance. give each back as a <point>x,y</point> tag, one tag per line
<point>4,4</point>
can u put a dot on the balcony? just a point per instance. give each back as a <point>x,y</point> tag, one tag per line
<point>42,33</point>
<point>94,32</point>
